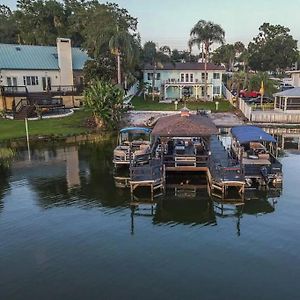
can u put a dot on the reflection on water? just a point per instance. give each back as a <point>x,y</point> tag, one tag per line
<point>82,175</point>
<point>68,232</point>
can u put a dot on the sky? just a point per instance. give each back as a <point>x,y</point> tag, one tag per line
<point>168,22</point>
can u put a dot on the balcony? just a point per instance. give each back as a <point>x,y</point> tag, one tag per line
<point>13,91</point>
<point>59,90</point>
<point>178,82</point>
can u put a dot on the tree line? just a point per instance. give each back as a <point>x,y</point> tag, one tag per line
<point>109,34</point>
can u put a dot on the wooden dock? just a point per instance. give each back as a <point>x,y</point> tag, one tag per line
<point>225,178</point>
<point>224,173</point>
<point>150,176</point>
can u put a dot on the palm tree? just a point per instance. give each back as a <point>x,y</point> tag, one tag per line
<point>156,58</point>
<point>206,33</point>
<point>238,81</point>
<point>121,44</point>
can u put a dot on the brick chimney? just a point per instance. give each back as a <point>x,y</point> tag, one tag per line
<point>64,55</point>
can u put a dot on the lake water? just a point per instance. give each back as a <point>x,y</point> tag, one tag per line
<point>67,232</point>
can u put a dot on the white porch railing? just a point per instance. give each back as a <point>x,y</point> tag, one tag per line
<point>184,82</point>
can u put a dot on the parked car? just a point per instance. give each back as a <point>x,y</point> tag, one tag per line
<point>249,94</point>
<point>285,86</point>
<point>257,100</point>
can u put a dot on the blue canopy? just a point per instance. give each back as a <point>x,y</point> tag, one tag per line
<point>246,134</point>
<point>128,129</point>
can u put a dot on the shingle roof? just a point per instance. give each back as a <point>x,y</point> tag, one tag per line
<point>295,92</point>
<point>186,66</point>
<point>27,57</point>
<point>184,126</point>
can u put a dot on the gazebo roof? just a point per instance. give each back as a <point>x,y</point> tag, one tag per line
<point>295,92</point>
<point>190,125</point>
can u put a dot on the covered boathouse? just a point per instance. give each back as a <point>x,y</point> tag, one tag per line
<point>188,142</point>
<point>184,141</point>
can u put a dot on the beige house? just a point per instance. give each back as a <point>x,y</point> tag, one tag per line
<point>47,76</point>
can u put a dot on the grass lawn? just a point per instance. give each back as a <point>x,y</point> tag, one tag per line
<point>140,104</point>
<point>72,125</point>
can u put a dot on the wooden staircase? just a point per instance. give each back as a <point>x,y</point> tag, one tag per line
<point>27,111</point>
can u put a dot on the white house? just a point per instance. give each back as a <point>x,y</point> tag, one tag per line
<point>41,75</point>
<point>41,67</point>
<point>173,79</point>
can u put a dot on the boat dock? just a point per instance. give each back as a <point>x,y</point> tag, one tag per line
<point>190,143</point>
<point>224,172</point>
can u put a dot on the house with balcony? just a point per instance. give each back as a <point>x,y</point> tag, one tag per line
<point>172,81</point>
<point>47,77</point>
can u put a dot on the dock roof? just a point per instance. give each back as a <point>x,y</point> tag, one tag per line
<point>192,125</point>
<point>247,133</point>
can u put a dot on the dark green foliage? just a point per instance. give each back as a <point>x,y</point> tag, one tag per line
<point>106,102</point>
<point>90,25</point>
<point>8,28</point>
<point>274,49</point>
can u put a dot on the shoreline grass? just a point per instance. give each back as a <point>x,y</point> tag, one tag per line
<point>60,127</point>
<point>148,105</point>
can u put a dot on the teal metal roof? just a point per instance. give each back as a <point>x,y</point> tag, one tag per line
<point>27,57</point>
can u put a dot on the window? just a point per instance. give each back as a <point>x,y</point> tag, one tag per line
<point>150,76</point>
<point>31,80</point>
<point>191,77</point>
<point>157,76</point>
<point>12,82</point>
<point>186,77</point>
<point>46,83</point>
<point>203,76</point>
<point>182,77</point>
<point>216,76</point>
<point>216,90</point>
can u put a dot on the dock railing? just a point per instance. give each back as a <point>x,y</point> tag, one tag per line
<point>154,171</point>
<point>185,160</point>
<point>232,172</point>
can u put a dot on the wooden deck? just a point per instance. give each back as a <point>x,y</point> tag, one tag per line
<point>224,173</point>
<point>150,176</point>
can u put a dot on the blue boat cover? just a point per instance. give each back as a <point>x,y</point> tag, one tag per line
<point>246,134</point>
<point>128,129</point>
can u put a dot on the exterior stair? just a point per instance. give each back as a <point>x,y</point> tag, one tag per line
<point>25,112</point>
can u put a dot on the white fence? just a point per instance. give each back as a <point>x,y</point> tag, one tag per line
<point>227,94</point>
<point>245,109</point>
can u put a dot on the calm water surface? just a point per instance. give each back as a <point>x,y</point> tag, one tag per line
<point>66,232</point>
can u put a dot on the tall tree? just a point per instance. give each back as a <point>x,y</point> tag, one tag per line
<point>270,86</point>
<point>154,57</point>
<point>274,49</point>
<point>226,55</point>
<point>206,33</point>
<point>112,32</point>
<point>8,28</point>
<point>40,22</point>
